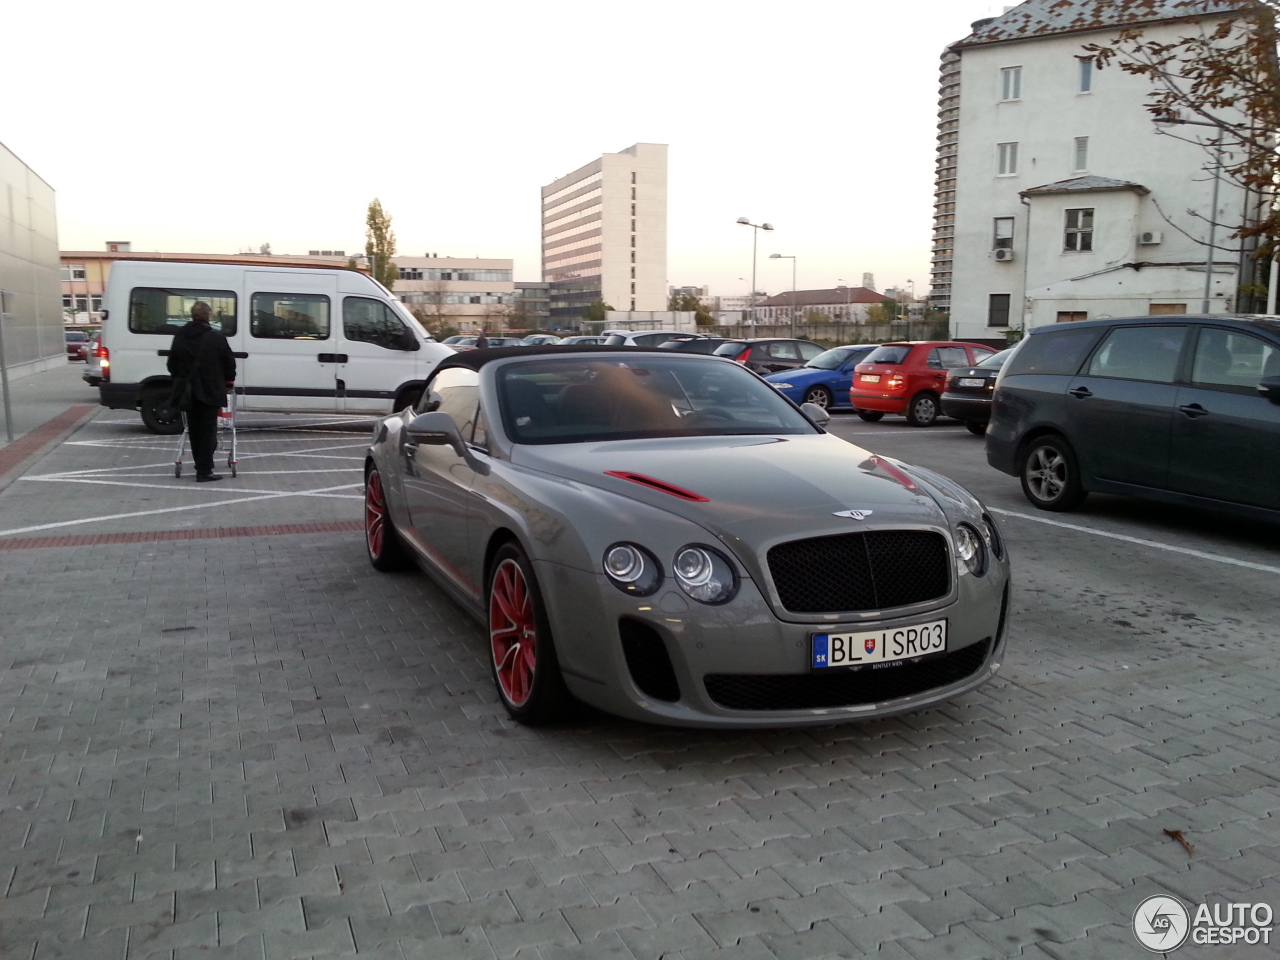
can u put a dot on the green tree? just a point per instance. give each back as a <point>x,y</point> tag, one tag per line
<point>1217,84</point>
<point>690,303</point>
<point>380,243</point>
<point>595,312</point>
<point>878,313</point>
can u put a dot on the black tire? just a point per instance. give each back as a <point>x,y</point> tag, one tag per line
<point>381,541</point>
<point>976,428</point>
<point>922,411</point>
<point>529,683</point>
<point>818,395</point>
<point>1050,474</point>
<point>157,415</point>
<point>871,416</point>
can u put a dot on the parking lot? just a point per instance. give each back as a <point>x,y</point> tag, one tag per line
<point>224,734</point>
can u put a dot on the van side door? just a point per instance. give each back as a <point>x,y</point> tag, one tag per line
<point>379,354</point>
<point>1119,408</point>
<point>292,347</point>
<point>1226,435</point>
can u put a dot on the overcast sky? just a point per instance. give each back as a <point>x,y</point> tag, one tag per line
<point>219,127</point>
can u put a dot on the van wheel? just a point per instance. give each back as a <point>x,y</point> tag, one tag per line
<point>871,416</point>
<point>1050,474</point>
<point>923,410</point>
<point>157,415</point>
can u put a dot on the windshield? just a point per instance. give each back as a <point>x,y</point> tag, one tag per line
<point>996,360</point>
<point>730,349</point>
<point>834,359</point>
<point>887,354</point>
<point>589,398</point>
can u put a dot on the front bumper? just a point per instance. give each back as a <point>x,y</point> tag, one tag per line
<point>745,639</point>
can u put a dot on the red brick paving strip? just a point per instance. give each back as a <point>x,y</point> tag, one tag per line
<point>209,533</point>
<point>13,455</point>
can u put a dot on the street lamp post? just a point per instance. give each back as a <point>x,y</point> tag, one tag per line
<point>785,256</point>
<point>755,237</point>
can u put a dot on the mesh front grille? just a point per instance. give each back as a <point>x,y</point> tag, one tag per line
<point>813,691</point>
<point>876,570</point>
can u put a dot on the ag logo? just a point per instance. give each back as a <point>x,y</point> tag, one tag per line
<point>1161,923</point>
<point>853,514</point>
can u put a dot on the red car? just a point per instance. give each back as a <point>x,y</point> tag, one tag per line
<point>909,377</point>
<point>77,345</point>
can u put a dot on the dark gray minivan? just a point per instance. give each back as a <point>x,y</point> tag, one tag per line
<point>1183,409</point>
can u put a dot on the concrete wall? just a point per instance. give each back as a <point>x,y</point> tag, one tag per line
<point>29,270</point>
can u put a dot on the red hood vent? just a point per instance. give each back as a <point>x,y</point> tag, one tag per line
<point>655,484</point>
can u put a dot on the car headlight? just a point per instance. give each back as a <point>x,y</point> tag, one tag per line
<point>705,574</point>
<point>993,538</point>
<point>972,549</point>
<point>632,569</point>
<point>783,386</point>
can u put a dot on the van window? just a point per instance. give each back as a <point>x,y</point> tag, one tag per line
<point>165,310</point>
<point>1139,353</point>
<point>1231,361</point>
<point>1058,353</point>
<point>289,316</point>
<point>371,321</point>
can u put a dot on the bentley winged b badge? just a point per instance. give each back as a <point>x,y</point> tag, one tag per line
<point>853,514</point>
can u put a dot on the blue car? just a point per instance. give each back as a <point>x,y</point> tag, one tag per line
<point>824,380</point>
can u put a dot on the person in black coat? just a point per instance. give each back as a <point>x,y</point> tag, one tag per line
<point>204,372</point>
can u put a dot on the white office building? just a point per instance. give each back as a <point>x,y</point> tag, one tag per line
<point>604,233</point>
<point>1058,197</point>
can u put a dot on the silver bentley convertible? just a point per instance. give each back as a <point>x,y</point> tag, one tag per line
<point>664,536</point>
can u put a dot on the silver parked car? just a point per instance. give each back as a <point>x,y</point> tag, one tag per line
<point>664,536</point>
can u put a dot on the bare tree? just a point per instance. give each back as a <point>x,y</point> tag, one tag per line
<point>436,314</point>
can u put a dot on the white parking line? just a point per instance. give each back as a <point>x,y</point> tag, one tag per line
<point>1199,554</point>
<point>189,506</point>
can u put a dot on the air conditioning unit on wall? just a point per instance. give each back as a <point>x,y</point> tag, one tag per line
<point>1150,237</point>
<point>1004,256</point>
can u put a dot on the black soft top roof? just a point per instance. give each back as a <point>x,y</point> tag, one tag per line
<point>475,359</point>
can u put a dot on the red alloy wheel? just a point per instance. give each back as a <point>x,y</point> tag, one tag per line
<point>513,633</point>
<point>375,514</point>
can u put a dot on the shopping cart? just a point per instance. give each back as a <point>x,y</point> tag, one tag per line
<point>226,422</point>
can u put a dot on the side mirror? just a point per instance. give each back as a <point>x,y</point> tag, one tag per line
<point>1269,387</point>
<point>816,413</point>
<point>407,341</point>
<point>438,429</point>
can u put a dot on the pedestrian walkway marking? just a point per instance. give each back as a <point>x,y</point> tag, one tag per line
<point>1199,554</point>
<point>208,533</point>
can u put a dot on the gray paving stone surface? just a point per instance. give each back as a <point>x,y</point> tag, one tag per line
<point>261,748</point>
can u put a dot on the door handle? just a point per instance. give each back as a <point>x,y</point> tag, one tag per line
<point>1080,393</point>
<point>1193,410</point>
<point>332,357</point>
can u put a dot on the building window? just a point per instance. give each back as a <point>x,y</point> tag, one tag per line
<point>998,309</point>
<point>1006,159</point>
<point>1080,154</point>
<point>633,253</point>
<point>1166,309</point>
<point>73,271</point>
<point>633,273</point>
<point>1011,83</point>
<point>1085,75</point>
<point>1071,316</point>
<point>633,243</point>
<point>633,209</point>
<point>633,286</point>
<point>1002,235</point>
<point>633,193</point>
<point>1078,237</point>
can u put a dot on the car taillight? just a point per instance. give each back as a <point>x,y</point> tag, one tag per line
<point>104,361</point>
<point>743,356</point>
<point>896,381</point>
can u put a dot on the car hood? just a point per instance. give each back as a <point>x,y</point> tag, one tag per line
<point>774,487</point>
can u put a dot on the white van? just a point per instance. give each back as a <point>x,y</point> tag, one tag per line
<point>306,340</point>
